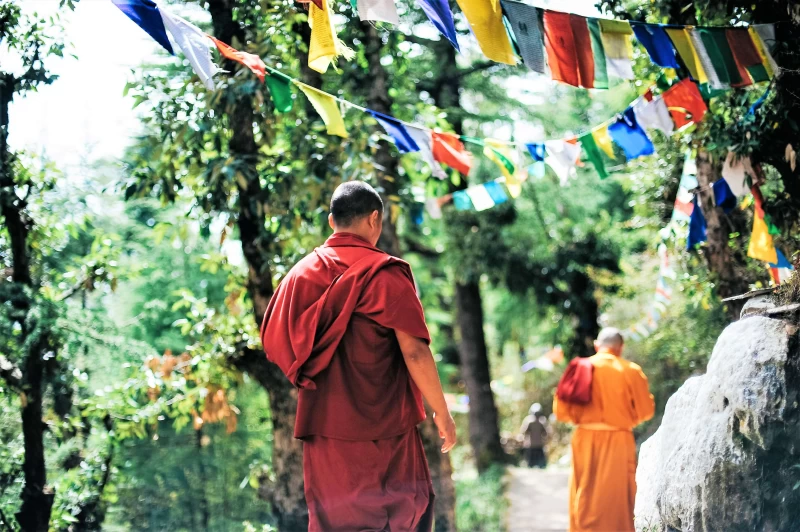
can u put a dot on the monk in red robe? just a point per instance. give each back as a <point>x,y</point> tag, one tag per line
<point>347,329</point>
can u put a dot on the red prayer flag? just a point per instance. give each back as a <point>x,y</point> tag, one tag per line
<point>575,385</point>
<point>684,99</point>
<point>569,48</point>
<point>743,48</point>
<point>317,3</point>
<point>448,149</point>
<point>251,61</point>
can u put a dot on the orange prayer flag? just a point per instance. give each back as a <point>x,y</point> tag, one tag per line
<point>448,149</point>
<point>251,61</point>
<point>569,48</point>
<point>684,99</point>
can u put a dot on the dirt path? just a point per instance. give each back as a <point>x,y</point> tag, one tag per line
<point>538,500</point>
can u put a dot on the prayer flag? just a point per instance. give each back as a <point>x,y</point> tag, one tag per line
<point>593,154</point>
<point>325,46</point>
<point>657,43</point>
<point>422,138</point>
<point>685,103</point>
<point>499,154</point>
<point>682,210</point>
<point>253,62</point>
<point>600,68</point>
<point>438,12</point>
<point>562,158</point>
<point>496,191</point>
<point>746,54</point>
<point>714,80</point>
<point>723,197</point>
<point>448,149</point>
<point>279,89</point>
<point>461,201</point>
<point>378,10</point>
<point>537,151</point>
<point>761,246</point>
<point>480,197</point>
<point>629,135</point>
<point>194,44</point>
<point>719,52</point>
<point>735,171</point>
<point>434,208</point>
<point>616,38</point>
<point>764,38</point>
<point>782,262</point>
<point>604,141</point>
<point>487,25</point>
<point>654,115</point>
<point>569,49</point>
<point>147,15</point>
<point>395,129</point>
<point>327,108</point>
<point>525,24</point>
<point>682,41</point>
<point>697,226</point>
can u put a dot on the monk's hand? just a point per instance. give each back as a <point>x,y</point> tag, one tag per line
<point>447,430</point>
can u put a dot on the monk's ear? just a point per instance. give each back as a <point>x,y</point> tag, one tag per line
<point>330,222</point>
<point>376,218</point>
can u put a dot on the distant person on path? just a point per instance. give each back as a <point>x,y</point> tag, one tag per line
<point>347,328</point>
<point>534,436</point>
<point>603,480</point>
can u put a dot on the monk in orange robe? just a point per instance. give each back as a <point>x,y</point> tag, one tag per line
<point>603,480</point>
<point>347,328</point>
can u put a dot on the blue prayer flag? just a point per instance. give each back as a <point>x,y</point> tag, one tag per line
<point>496,192</point>
<point>438,12</point>
<point>461,201</point>
<point>697,226</point>
<point>145,13</point>
<point>395,129</point>
<point>630,136</point>
<point>724,196</point>
<point>657,43</point>
<point>537,151</point>
<point>782,262</point>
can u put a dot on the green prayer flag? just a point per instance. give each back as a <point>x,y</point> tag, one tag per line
<point>719,51</point>
<point>593,154</point>
<point>471,140</point>
<point>599,52</point>
<point>707,92</point>
<point>771,229</point>
<point>281,93</point>
<point>758,73</point>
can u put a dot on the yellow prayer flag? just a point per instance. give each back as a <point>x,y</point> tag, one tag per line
<point>325,46</point>
<point>761,246</point>
<point>603,140</point>
<point>487,25</point>
<point>327,107</point>
<point>766,58</point>
<point>499,153</point>
<point>616,37</point>
<point>682,41</point>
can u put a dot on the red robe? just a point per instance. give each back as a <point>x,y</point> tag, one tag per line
<point>330,328</point>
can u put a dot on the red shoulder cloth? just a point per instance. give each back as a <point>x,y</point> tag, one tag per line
<point>309,313</point>
<point>575,385</point>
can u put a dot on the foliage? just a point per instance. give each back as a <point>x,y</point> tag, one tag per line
<point>480,500</point>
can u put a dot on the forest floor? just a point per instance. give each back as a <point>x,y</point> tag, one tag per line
<point>538,500</point>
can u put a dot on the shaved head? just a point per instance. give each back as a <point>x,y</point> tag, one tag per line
<point>610,339</point>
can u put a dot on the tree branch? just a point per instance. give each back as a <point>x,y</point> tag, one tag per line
<point>10,373</point>
<point>415,247</point>
<point>477,67</point>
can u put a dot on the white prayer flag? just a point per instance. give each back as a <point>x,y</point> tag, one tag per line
<point>562,158</point>
<point>380,10</point>
<point>194,43</point>
<point>481,199</point>
<point>423,139</point>
<point>654,115</point>
<point>735,172</point>
<point>433,208</point>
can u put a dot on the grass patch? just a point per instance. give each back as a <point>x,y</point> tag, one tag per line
<point>481,503</point>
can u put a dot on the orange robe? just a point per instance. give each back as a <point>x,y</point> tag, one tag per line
<point>603,480</point>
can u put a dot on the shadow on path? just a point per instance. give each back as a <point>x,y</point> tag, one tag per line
<point>538,500</point>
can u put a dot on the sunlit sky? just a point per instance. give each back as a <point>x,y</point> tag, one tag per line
<point>84,116</point>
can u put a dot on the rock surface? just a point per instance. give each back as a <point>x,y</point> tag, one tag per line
<point>727,454</point>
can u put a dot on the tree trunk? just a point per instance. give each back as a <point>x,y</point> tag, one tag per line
<point>587,328</point>
<point>716,251</point>
<point>386,164</point>
<point>484,432</point>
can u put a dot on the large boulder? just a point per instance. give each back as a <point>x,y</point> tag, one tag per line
<point>727,454</point>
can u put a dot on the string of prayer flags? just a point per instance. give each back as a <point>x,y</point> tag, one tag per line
<point>395,129</point>
<point>279,85</point>
<point>251,61</point>
<point>781,269</point>
<point>719,52</point>
<point>194,44</point>
<point>526,25</point>
<point>697,226</point>
<point>569,49</point>
<point>682,41</point>
<point>424,141</point>
<point>723,196</point>
<point>487,25</point>
<point>685,103</point>
<point>593,153</point>
<point>146,15</point>
<point>657,43</point>
<point>438,12</point>
<point>629,135</point>
<point>448,149</point>
<point>326,106</point>
<point>617,47</point>
<point>378,11</point>
<point>562,157</point>
<point>325,46</point>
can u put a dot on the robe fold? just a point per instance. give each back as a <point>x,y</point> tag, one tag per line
<point>603,480</point>
<point>330,327</point>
